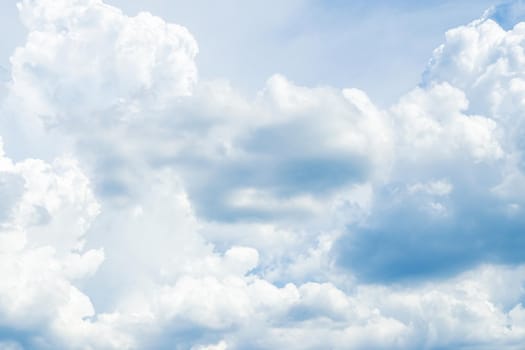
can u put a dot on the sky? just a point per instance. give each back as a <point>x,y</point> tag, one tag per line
<point>316,42</point>
<point>262,175</point>
<point>312,42</point>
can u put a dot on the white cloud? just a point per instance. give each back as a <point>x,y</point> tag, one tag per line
<point>96,57</point>
<point>189,216</point>
<point>42,255</point>
<point>432,123</point>
<point>436,188</point>
<point>219,346</point>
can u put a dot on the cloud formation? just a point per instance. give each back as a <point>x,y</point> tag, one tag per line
<point>144,209</point>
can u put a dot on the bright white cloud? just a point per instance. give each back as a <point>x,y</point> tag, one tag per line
<point>96,57</point>
<point>49,209</point>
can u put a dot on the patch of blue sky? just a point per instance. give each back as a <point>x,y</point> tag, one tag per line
<point>508,14</point>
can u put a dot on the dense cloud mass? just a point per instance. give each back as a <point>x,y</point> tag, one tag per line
<point>142,208</point>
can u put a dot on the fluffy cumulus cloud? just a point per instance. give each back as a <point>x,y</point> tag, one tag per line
<point>141,208</point>
<point>463,127</point>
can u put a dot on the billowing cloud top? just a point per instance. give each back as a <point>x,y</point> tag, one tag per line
<point>141,208</point>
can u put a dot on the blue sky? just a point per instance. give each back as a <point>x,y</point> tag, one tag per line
<point>262,175</point>
<point>311,42</point>
<point>317,42</point>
